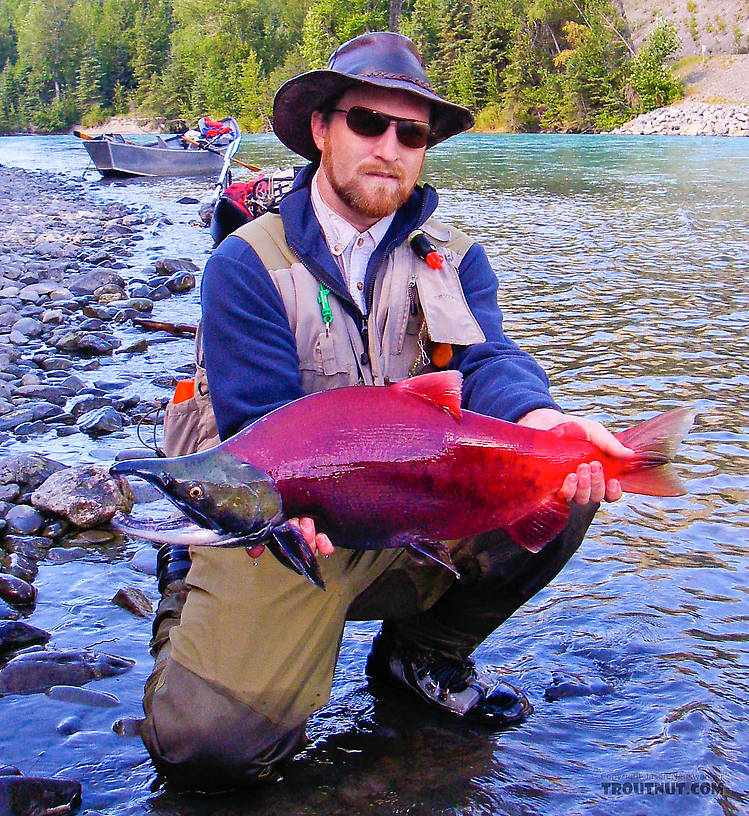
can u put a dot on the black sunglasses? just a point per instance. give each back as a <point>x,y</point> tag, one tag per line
<point>371,123</point>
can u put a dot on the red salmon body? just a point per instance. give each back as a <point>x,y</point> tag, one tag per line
<point>374,466</point>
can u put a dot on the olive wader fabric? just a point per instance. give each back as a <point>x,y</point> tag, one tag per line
<point>256,646</point>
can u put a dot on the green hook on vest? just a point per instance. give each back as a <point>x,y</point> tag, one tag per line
<point>325,310</point>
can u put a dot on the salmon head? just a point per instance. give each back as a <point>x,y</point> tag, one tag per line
<point>230,502</point>
<point>215,490</point>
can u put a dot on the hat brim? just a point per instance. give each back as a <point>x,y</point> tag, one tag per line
<point>299,97</point>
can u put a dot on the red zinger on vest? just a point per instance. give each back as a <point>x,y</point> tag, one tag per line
<point>401,465</point>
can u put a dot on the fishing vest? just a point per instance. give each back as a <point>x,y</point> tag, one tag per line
<point>419,315</point>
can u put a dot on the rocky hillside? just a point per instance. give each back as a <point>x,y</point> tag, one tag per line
<point>705,26</point>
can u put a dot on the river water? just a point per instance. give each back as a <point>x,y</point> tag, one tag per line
<point>623,265</point>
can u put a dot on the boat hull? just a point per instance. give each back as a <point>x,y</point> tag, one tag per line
<point>119,159</point>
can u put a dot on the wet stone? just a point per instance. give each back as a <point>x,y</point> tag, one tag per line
<point>87,496</point>
<point>32,796</point>
<point>46,410</point>
<point>16,635</point>
<point>24,520</point>
<point>23,567</point>
<point>64,555</point>
<point>93,324</point>
<point>135,348</point>
<point>70,725</point>
<point>139,304</point>
<point>9,492</point>
<point>28,470</point>
<point>144,560</point>
<point>28,326</point>
<point>31,428</point>
<point>133,600</point>
<point>11,421</point>
<point>88,537</point>
<point>51,393</point>
<point>38,671</point>
<point>17,592</point>
<point>128,727</point>
<point>168,266</point>
<point>161,292</point>
<point>101,421</point>
<point>8,612</point>
<point>98,312</point>
<point>53,362</point>
<point>83,403</point>
<point>140,291</point>
<point>83,696</point>
<point>93,344</point>
<point>181,282</point>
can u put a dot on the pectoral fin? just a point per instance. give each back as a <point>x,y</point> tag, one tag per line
<point>288,545</point>
<point>538,528</point>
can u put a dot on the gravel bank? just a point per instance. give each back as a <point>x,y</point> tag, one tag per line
<point>691,119</point>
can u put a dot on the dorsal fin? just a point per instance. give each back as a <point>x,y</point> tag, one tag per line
<point>442,389</point>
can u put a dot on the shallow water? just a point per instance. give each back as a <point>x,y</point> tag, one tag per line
<point>623,267</point>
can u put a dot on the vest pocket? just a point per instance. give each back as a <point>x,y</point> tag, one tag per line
<point>325,370</point>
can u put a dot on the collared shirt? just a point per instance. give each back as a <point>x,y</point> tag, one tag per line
<point>350,248</point>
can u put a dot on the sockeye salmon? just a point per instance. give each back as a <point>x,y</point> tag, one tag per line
<point>395,466</point>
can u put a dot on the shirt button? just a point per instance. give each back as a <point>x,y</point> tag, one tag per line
<point>360,286</point>
<point>360,241</point>
<point>338,249</point>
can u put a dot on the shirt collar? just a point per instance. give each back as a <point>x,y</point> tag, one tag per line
<point>338,232</point>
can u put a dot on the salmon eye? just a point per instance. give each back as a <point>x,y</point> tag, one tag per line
<point>195,491</point>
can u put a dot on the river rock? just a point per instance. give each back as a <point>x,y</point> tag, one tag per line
<point>38,671</point>
<point>15,635</point>
<point>144,560</point>
<point>168,266</point>
<point>64,555</point>
<point>101,421</point>
<point>28,470</point>
<point>88,282</point>
<point>181,282</point>
<point>87,496</point>
<point>24,520</point>
<point>42,391</point>
<point>133,600</point>
<point>568,686</point>
<point>9,422</point>
<point>83,696</point>
<point>28,326</point>
<point>17,592</point>
<point>70,725</point>
<point>37,796</point>
<point>83,403</point>
<point>139,304</point>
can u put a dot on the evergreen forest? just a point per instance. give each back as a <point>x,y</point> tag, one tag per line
<point>519,65</point>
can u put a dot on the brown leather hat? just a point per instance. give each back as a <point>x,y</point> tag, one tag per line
<point>382,59</point>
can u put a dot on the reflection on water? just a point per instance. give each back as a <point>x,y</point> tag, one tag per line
<point>623,267</point>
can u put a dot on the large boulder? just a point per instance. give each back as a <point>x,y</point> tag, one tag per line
<point>87,496</point>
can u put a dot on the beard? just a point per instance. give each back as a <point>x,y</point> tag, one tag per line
<point>360,194</point>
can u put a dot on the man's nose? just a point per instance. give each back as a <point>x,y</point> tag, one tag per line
<point>387,146</point>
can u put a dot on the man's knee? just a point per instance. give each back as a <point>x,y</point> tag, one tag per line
<point>201,738</point>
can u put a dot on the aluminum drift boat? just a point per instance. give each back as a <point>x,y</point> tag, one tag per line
<point>115,156</point>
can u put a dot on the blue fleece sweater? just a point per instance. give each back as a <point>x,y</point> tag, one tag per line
<point>250,351</point>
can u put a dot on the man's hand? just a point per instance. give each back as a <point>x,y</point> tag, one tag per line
<point>318,543</point>
<point>588,482</point>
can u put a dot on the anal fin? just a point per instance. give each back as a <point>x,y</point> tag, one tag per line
<point>541,526</point>
<point>433,550</point>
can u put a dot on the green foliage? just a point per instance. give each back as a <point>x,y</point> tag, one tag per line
<point>652,80</point>
<point>562,65</point>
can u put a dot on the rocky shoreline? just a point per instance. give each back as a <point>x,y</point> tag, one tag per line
<point>68,296</point>
<point>690,119</point>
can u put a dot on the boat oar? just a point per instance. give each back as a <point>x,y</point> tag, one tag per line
<point>218,152</point>
<point>81,135</point>
<point>222,176</point>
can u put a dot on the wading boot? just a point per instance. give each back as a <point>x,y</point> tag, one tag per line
<point>450,684</point>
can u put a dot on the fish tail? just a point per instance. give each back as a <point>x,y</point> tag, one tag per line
<point>655,442</point>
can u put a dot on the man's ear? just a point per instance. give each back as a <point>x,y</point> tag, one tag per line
<point>319,128</point>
